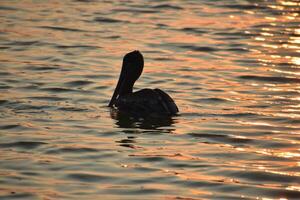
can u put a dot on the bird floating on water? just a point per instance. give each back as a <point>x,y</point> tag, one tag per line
<point>142,102</point>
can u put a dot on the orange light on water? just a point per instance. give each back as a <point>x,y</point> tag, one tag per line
<point>289,3</point>
<point>296,61</point>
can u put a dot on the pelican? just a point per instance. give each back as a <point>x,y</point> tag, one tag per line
<point>142,102</point>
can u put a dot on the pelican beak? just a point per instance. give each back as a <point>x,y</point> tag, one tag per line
<point>118,90</point>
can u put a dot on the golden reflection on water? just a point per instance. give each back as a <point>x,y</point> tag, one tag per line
<point>296,60</point>
<point>193,76</point>
<point>272,53</point>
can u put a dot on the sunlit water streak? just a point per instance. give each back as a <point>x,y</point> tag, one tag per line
<point>232,67</point>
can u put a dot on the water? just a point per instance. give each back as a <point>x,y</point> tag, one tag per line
<point>232,67</point>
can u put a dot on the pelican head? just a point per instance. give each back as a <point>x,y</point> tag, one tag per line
<point>132,68</point>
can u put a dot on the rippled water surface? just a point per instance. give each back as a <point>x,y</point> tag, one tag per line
<point>232,67</point>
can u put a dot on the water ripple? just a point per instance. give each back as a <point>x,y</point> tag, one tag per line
<point>57,28</point>
<point>22,144</point>
<point>85,177</point>
<point>107,20</point>
<point>271,79</point>
<point>231,66</point>
<point>167,6</point>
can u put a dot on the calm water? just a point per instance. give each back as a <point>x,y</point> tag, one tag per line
<point>232,67</point>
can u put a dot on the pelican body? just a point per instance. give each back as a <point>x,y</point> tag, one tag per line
<point>142,102</point>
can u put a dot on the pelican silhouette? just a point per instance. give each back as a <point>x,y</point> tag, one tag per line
<point>142,102</point>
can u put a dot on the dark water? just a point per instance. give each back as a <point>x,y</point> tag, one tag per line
<point>232,67</point>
